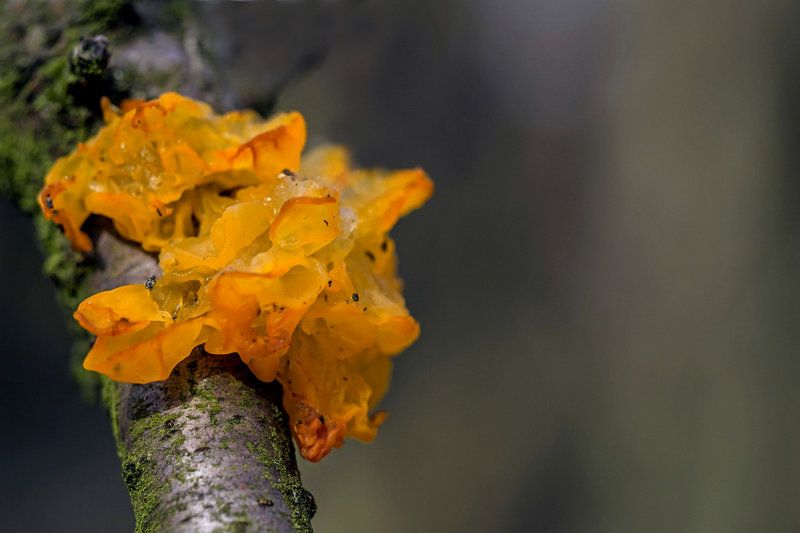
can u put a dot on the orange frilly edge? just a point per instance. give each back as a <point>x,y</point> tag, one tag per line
<point>284,261</point>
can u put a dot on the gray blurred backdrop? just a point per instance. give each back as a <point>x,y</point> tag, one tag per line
<point>606,277</point>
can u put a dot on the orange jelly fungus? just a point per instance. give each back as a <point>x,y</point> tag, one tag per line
<point>286,263</point>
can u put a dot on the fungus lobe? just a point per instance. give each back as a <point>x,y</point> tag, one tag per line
<point>286,262</point>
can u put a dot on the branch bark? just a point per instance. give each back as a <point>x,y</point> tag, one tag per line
<point>210,448</point>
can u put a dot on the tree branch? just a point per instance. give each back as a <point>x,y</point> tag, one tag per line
<point>209,449</point>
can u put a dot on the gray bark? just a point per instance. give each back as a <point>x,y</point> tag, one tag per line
<point>209,449</point>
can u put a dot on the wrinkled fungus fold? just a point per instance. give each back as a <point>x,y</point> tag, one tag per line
<point>285,262</point>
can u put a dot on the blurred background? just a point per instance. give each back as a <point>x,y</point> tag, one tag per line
<point>606,277</point>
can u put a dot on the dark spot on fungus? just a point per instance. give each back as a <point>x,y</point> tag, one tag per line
<point>325,221</point>
<point>355,296</point>
<point>330,282</point>
<point>384,245</point>
<point>150,283</point>
<point>49,202</point>
<point>371,256</point>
